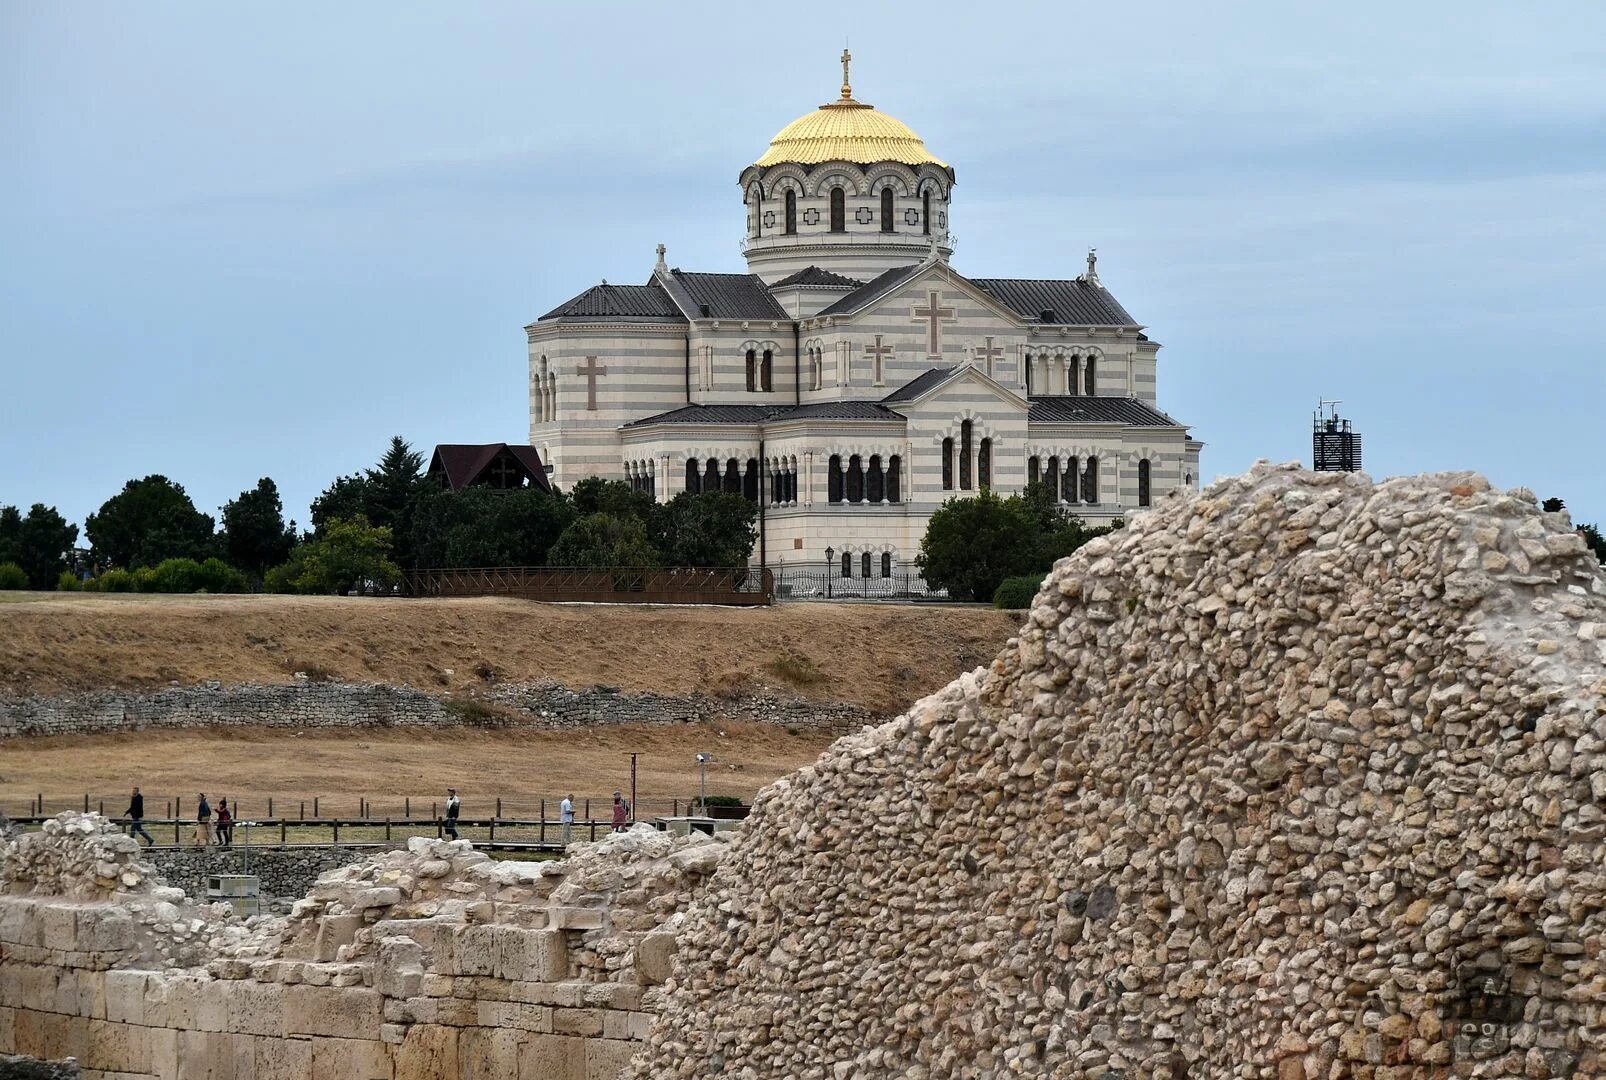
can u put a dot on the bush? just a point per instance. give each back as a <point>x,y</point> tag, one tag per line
<point>13,576</point>
<point>349,555</point>
<point>67,581</point>
<point>1016,593</point>
<point>795,668</point>
<point>188,576</point>
<point>722,800</point>
<point>115,581</point>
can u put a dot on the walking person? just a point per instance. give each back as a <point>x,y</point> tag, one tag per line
<point>453,808</point>
<point>621,812</point>
<point>136,817</point>
<point>225,825</point>
<point>566,817</point>
<point>203,822</point>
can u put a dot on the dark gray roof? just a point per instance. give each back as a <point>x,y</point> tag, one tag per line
<point>708,414</point>
<point>919,384</point>
<point>813,275</point>
<point>839,410</point>
<point>640,301</point>
<point>1072,302</point>
<point>882,282</point>
<point>758,414</point>
<point>1097,410</point>
<point>729,296</point>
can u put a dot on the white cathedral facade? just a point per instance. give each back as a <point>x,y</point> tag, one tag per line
<point>852,381</point>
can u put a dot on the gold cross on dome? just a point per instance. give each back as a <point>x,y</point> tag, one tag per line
<point>847,86</point>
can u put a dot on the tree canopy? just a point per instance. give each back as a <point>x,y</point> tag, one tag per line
<point>148,521</point>
<point>349,556</point>
<point>255,536</point>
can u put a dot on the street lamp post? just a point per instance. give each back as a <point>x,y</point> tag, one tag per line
<point>829,563</point>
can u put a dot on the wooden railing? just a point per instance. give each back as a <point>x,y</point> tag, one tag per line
<point>632,585</point>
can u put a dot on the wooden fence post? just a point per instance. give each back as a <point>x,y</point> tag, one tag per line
<point>315,806</point>
<point>407,806</point>
<point>543,822</point>
<point>270,805</point>
<point>303,809</point>
<point>336,840</point>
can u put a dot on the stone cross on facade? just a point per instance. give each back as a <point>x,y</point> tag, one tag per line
<point>932,315</point>
<point>987,354</point>
<point>876,354</point>
<point>591,369</point>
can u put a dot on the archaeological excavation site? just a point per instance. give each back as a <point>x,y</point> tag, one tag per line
<point>1303,777</point>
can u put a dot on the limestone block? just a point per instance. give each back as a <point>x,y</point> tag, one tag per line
<point>341,1012</point>
<point>18,923</point>
<point>203,1055</point>
<point>475,950</point>
<point>489,1053</point>
<point>399,970</point>
<point>449,1011</point>
<point>350,1059</point>
<point>28,985</point>
<point>125,996</point>
<point>162,1045</point>
<point>7,1026</point>
<point>577,918</point>
<point>552,1057</point>
<point>58,926</point>
<point>254,1008</point>
<point>333,932</point>
<point>436,937</point>
<point>607,1058</point>
<point>105,928</point>
<point>427,1052</point>
<point>117,1048</point>
<point>509,952</point>
<point>587,1022</point>
<point>613,996</point>
<point>655,956</point>
<point>518,1015</point>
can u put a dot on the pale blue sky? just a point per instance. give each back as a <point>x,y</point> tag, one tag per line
<point>244,242</point>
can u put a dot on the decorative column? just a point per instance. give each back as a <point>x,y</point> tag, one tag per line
<point>808,478</point>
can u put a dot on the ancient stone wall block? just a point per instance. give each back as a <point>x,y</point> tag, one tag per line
<point>254,1008</point>
<point>333,932</point>
<point>399,969</point>
<point>552,1057</point>
<point>546,956</point>
<point>427,1052</point>
<point>488,1052</point>
<point>342,1012</point>
<point>575,918</point>
<point>58,926</point>
<point>19,924</point>
<point>348,1059</point>
<point>48,1035</point>
<point>117,1048</point>
<point>125,996</point>
<point>515,1014</point>
<point>606,1058</point>
<point>475,950</point>
<point>587,1022</point>
<point>655,957</point>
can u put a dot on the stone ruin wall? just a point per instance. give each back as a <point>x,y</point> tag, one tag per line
<point>306,704</point>
<point>431,963</point>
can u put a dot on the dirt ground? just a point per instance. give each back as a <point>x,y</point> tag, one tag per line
<point>879,656</point>
<point>386,766</point>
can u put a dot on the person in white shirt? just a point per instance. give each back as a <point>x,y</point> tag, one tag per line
<point>453,808</point>
<point>566,816</point>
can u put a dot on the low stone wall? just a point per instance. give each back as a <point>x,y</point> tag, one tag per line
<point>283,873</point>
<point>307,704</point>
<point>430,963</point>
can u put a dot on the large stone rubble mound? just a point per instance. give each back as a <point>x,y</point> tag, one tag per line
<point>1299,777</point>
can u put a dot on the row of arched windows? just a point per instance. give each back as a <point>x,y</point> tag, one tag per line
<point>858,482</point>
<point>760,370</point>
<point>545,395</point>
<point>983,458</point>
<point>1077,375</point>
<point>642,477</point>
<point>1069,482</point>
<point>866,565</point>
<point>701,477</point>
<point>838,216</point>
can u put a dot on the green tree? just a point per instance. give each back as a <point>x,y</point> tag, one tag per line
<point>483,527</point>
<point>713,529</point>
<point>1550,506</point>
<point>385,495</point>
<point>594,495</point>
<point>972,544</point>
<point>1596,542</point>
<point>604,542</point>
<point>344,500</point>
<point>148,521</point>
<point>349,555</point>
<point>10,534</point>
<point>12,576</point>
<point>44,541</point>
<point>255,536</point>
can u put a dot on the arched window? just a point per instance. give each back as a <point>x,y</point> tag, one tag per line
<point>1068,485</point>
<point>886,564</point>
<point>1090,482</point>
<point>864,565</point>
<point>733,477</point>
<point>947,464</point>
<point>750,480</point>
<point>1034,470</point>
<point>767,382</point>
<point>1143,482</point>
<point>791,212</point>
<point>752,370</point>
<point>757,199</point>
<point>1092,384</point>
<point>875,481</point>
<point>855,479</point>
<point>847,565</point>
<point>886,209</point>
<point>839,210</point>
<point>711,476</point>
<point>1028,374</point>
<point>964,455</point>
<point>1051,478</point>
<point>694,476</point>
<point>925,211</point>
<point>833,482</point>
<point>984,464</point>
<point>775,485</point>
<point>893,479</point>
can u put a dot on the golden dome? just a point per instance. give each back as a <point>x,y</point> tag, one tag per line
<point>847,130</point>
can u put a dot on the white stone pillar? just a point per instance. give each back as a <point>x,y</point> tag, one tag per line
<point>807,486</point>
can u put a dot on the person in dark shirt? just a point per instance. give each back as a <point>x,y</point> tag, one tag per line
<point>203,822</point>
<point>136,817</point>
<point>225,825</point>
<point>453,808</point>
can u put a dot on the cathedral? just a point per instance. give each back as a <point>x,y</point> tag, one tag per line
<point>852,380</point>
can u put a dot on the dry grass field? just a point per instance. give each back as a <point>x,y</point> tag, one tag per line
<point>882,657</point>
